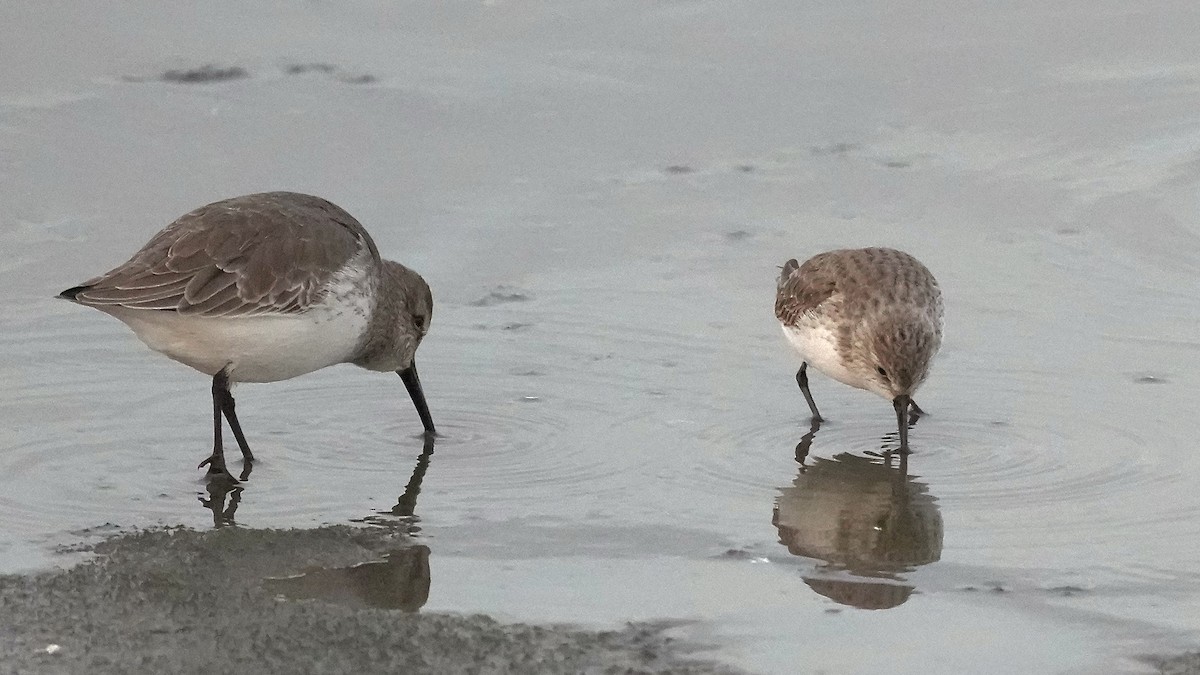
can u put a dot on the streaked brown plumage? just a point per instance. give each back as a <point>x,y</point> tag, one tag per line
<point>870,318</point>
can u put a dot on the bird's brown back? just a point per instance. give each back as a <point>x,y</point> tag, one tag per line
<point>859,280</point>
<point>272,252</point>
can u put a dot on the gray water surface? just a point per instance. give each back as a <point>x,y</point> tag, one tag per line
<point>599,198</point>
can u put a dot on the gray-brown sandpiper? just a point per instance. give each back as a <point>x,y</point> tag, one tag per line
<point>263,288</point>
<point>870,318</point>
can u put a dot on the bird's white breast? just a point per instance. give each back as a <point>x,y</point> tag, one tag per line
<point>265,347</point>
<point>818,345</point>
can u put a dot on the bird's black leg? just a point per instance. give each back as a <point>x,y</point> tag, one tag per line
<point>216,461</point>
<point>223,405</point>
<point>227,407</point>
<point>802,380</point>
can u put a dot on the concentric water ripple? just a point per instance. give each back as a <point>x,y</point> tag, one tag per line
<point>1008,480</point>
<point>573,403</point>
<point>523,425</point>
<point>485,451</point>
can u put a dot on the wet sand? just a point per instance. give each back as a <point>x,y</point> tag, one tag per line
<point>599,197</point>
<point>1184,664</point>
<point>180,601</point>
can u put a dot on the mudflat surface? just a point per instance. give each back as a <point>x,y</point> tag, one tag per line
<point>599,196</point>
<point>286,601</point>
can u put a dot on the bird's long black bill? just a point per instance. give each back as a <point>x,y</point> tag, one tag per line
<point>413,384</point>
<point>901,403</point>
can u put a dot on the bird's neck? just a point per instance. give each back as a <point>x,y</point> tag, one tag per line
<point>378,350</point>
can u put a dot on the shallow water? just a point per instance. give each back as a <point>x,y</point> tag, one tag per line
<point>600,210</point>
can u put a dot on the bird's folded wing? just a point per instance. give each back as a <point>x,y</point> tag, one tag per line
<point>239,257</point>
<point>805,288</point>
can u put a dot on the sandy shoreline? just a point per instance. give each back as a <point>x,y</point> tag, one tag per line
<point>182,601</point>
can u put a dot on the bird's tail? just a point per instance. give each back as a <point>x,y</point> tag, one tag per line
<point>70,293</point>
<point>789,268</point>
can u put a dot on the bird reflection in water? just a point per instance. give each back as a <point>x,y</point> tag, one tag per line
<point>223,499</point>
<point>399,581</point>
<point>224,495</point>
<point>403,515</point>
<point>865,518</point>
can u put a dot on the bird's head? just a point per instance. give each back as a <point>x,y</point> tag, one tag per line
<point>401,320</point>
<point>895,349</point>
<point>406,308</point>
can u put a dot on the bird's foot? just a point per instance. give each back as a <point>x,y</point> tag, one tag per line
<point>216,468</point>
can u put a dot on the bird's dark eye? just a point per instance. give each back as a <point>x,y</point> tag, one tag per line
<point>881,371</point>
<point>419,321</point>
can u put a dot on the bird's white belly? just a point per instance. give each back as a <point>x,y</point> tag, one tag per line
<point>817,345</point>
<point>264,348</point>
